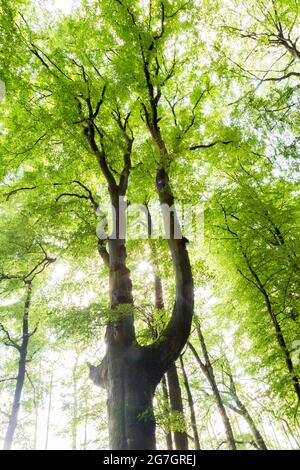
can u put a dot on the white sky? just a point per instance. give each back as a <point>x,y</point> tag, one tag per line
<point>64,6</point>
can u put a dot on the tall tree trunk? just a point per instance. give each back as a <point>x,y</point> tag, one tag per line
<point>49,409</point>
<point>129,372</point>
<point>22,349</point>
<point>191,405</point>
<point>159,305</point>
<point>260,285</point>
<point>130,387</point>
<point>242,410</point>
<point>167,403</point>
<point>75,406</point>
<point>36,408</point>
<point>133,372</point>
<point>279,333</point>
<point>290,432</point>
<point>86,419</point>
<point>174,389</point>
<point>208,371</point>
<point>180,437</point>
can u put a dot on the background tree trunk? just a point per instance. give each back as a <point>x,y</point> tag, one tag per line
<point>242,410</point>
<point>22,349</point>
<point>49,409</point>
<point>208,371</point>
<point>180,437</point>
<point>191,406</point>
<point>75,405</point>
<point>174,390</point>
<point>167,403</point>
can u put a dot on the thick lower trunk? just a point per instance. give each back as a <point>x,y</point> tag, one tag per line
<point>180,437</point>
<point>130,387</point>
<point>130,401</point>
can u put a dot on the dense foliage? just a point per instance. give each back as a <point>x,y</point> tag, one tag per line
<point>209,91</point>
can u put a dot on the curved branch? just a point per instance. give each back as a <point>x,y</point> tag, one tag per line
<point>11,342</point>
<point>212,144</point>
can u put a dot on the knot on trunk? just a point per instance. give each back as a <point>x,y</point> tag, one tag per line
<point>98,374</point>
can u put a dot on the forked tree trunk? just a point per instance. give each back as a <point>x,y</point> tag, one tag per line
<point>130,386</point>
<point>129,372</point>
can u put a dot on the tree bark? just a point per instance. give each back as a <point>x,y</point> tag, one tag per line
<point>242,410</point>
<point>130,383</point>
<point>180,437</point>
<point>132,372</point>
<point>167,403</point>
<point>174,389</point>
<point>191,406</point>
<point>22,349</point>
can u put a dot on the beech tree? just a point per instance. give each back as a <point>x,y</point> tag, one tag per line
<point>117,108</point>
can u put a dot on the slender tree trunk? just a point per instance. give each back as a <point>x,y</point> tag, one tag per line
<point>180,437</point>
<point>191,406</point>
<point>49,409</point>
<point>255,431</point>
<point>208,371</point>
<point>86,417</point>
<point>242,410</point>
<point>75,406</point>
<point>167,403</point>
<point>36,419</point>
<point>159,304</point>
<point>13,419</point>
<point>274,432</point>
<point>290,432</point>
<point>223,414</point>
<point>36,413</point>
<point>279,334</point>
<point>175,397</point>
